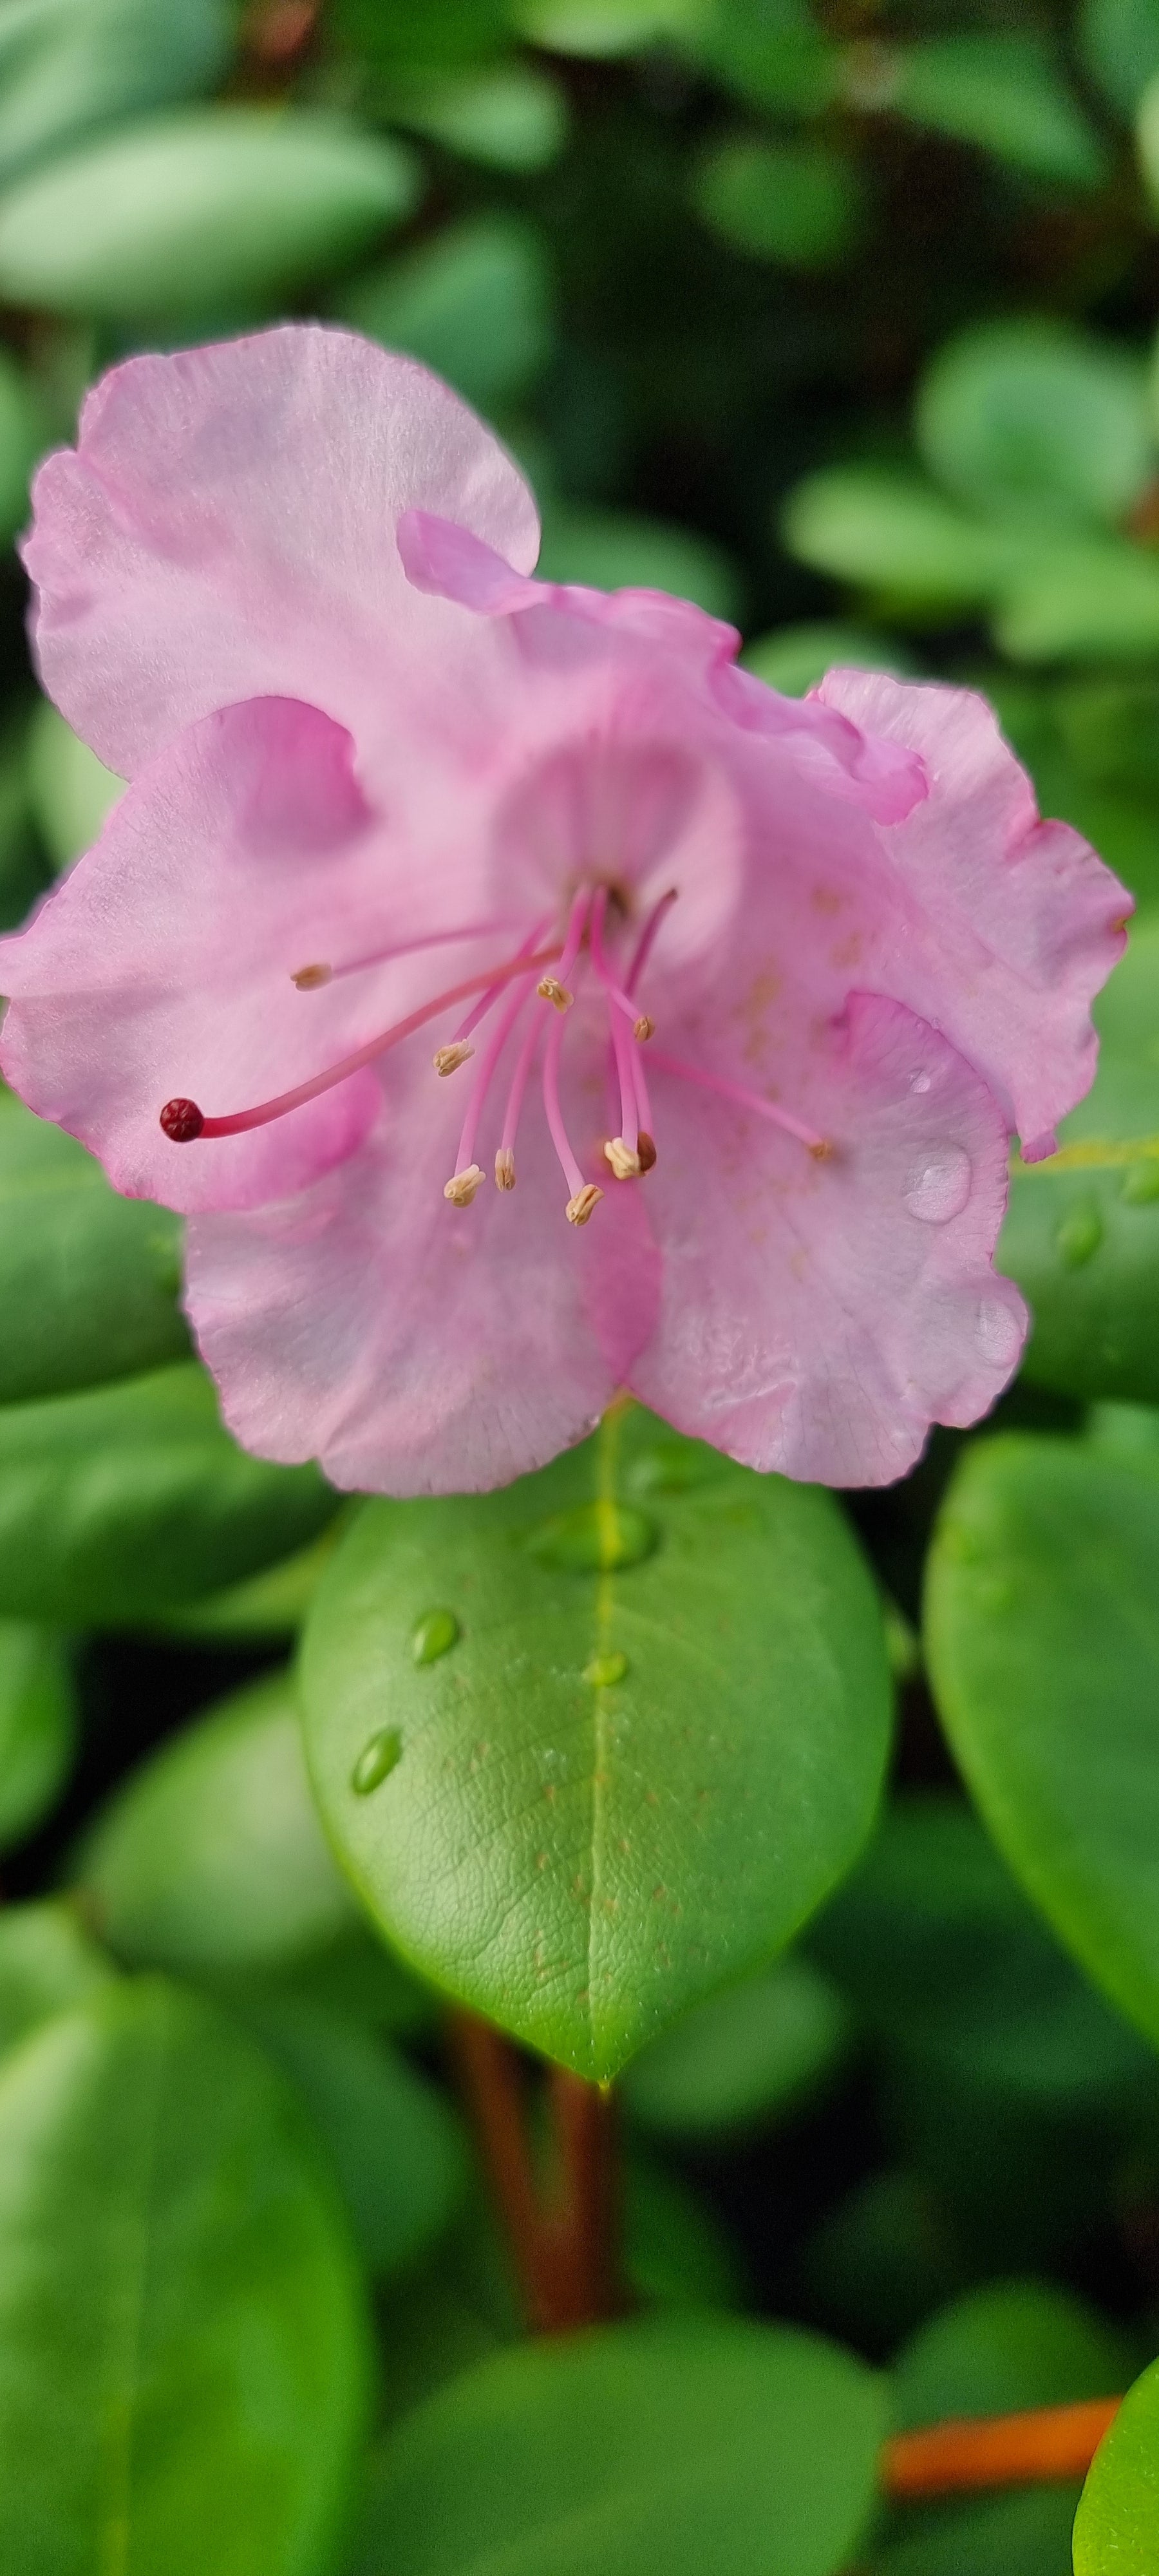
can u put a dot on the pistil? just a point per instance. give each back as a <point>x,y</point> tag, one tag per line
<point>183,1121</point>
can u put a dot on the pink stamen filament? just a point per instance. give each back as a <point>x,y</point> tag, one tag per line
<point>483,1079</point>
<point>551,1102</point>
<point>519,1081</point>
<point>647,935</point>
<point>410,947</point>
<point>483,1005</point>
<point>577,922</point>
<point>623,1042</point>
<point>241,1121</point>
<point>744,1098</point>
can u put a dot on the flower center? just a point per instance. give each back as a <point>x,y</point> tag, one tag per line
<point>523,999</point>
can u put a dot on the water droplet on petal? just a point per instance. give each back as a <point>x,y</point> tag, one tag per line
<point>434,1635</point>
<point>376,1761</point>
<point>595,1538</point>
<point>999,1333</point>
<point>939,1184</point>
<point>920,1081</point>
<point>1079,1234</point>
<point>603,1670</point>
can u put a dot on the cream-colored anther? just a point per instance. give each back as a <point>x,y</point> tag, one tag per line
<point>309,979</point>
<point>643,1027</point>
<point>579,1209</point>
<point>504,1168</point>
<point>464,1186</point>
<point>550,989</point>
<point>447,1059</point>
<point>625,1162</point>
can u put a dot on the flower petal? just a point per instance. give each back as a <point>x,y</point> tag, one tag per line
<point>877,773</point>
<point>162,965</point>
<point>225,528</point>
<point>1012,925</point>
<point>818,1316</point>
<point>410,1346</point>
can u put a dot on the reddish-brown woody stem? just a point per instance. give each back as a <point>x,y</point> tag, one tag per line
<point>563,2245</point>
<point>1046,2444</point>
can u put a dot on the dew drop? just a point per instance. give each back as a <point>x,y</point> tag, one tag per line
<point>603,1670</point>
<point>376,1761</point>
<point>434,1635</point>
<point>998,1333</point>
<point>1079,1235</point>
<point>595,1538</point>
<point>920,1081</point>
<point>939,1185</point>
<point>1141,1184</point>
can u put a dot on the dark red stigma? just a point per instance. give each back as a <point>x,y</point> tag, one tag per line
<point>182,1120</point>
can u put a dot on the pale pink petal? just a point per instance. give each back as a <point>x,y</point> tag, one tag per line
<point>1004,927</point>
<point>818,1316</point>
<point>849,762</point>
<point>411,1346</point>
<point>225,529</point>
<point>162,965</point>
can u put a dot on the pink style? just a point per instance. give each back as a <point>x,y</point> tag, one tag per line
<point>522,1001</point>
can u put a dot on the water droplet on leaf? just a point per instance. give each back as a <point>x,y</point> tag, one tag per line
<point>603,1670</point>
<point>434,1635</point>
<point>1141,1184</point>
<point>595,1538</point>
<point>1079,1235</point>
<point>939,1185</point>
<point>376,1761</point>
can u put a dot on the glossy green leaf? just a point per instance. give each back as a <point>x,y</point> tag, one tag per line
<point>1087,745</point>
<point>189,213</point>
<point>896,533</point>
<point>71,791</point>
<point>210,1854</point>
<point>48,1963</point>
<point>1082,1232</point>
<point>794,658</point>
<point>69,66</point>
<point>1147,136</point>
<point>619,550</point>
<point>182,2338</point>
<point>1010,2345</point>
<point>89,1281</point>
<point>574,1837</point>
<point>474,303</point>
<point>692,2446</point>
<point>771,53</point>
<point>1119,44</point>
<point>1116,2529</point>
<point>1026,417</point>
<point>119,1500</point>
<point>1043,1649</point>
<point>397,2150</point>
<point>1087,599</point>
<point>393,33</point>
<point>602,29</point>
<point>38,1722</point>
<point>800,204</point>
<point>742,2058</point>
<point>1005,93</point>
<point>511,117</point>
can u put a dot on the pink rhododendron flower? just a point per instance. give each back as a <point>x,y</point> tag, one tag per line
<point>737,998</point>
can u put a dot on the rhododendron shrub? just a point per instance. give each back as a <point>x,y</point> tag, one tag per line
<point>523,1002</point>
